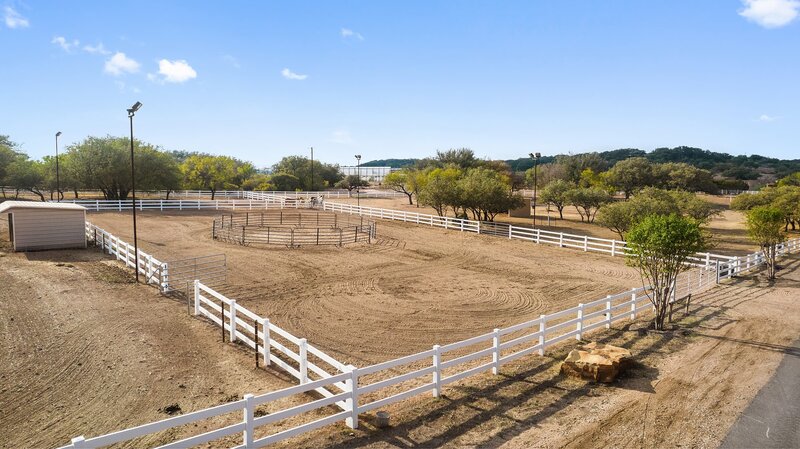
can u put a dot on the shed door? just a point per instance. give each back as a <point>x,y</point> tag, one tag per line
<point>11,228</point>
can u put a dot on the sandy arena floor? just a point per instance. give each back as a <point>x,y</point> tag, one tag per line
<point>369,303</point>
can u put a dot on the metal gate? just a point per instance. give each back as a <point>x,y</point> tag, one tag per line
<point>495,229</point>
<point>180,274</point>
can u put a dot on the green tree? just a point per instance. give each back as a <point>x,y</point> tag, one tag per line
<point>486,193</point>
<point>325,175</point>
<point>587,201</point>
<point>351,182</point>
<point>285,182</point>
<point>26,174</point>
<point>402,181</point>
<point>462,158</point>
<point>682,176</point>
<point>659,247</point>
<point>104,163</point>
<point>555,194</point>
<point>630,175</point>
<point>441,189</point>
<point>573,165</point>
<point>8,154</point>
<point>764,227</point>
<point>209,173</point>
<point>790,180</point>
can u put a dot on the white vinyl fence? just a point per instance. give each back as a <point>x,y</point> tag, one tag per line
<point>359,390</point>
<point>155,271</point>
<point>188,205</point>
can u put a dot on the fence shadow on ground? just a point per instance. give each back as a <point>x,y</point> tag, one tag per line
<point>522,399</point>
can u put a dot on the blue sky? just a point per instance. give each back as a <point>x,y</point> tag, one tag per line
<point>261,80</point>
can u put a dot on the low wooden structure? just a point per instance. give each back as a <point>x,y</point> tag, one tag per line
<point>35,226</point>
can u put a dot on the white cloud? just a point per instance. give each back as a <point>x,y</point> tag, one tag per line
<point>178,71</point>
<point>232,61</point>
<point>767,118</point>
<point>66,45</point>
<point>348,33</point>
<point>13,19</point>
<point>120,64</point>
<point>770,13</point>
<point>98,49</point>
<point>341,136</point>
<point>289,75</point>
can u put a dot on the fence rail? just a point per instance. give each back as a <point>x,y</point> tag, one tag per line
<point>154,270</point>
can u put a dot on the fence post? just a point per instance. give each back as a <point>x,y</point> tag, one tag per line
<point>633,304</point>
<point>542,329</point>
<point>233,321</point>
<point>265,332</point>
<point>437,374</point>
<point>579,325</point>
<point>303,361</point>
<point>79,442</point>
<point>496,353</point>
<point>717,264</point>
<point>249,410</point>
<point>561,239</point>
<point>538,236</point>
<point>196,297</point>
<point>613,247</point>
<point>608,312</point>
<point>164,277</point>
<point>352,402</point>
<point>586,243</point>
<point>149,268</point>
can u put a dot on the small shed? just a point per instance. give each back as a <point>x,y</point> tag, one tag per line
<point>35,226</point>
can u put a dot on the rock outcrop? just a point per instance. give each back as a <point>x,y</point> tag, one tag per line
<point>596,361</point>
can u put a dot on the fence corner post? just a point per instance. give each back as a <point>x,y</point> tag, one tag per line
<point>303,361</point>
<point>196,296</point>
<point>249,416</point>
<point>496,352</point>
<point>265,331</point>
<point>352,402</point>
<point>542,329</point>
<point>579,324</point>
<point>437,373</point>
<point>233,321</point>
<point>78,442</point>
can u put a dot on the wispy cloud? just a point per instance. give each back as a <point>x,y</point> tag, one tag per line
<point>350,34</point>
<point>178,71</point>
<point>289,75</point>
<point>232,61</point>
<point>341,136</point>
<point>120,64</point>
<point>770,13</point>
<point>65,45</point>
<point>767,118</point>
<point>13,19</point>
<point>98,49</point>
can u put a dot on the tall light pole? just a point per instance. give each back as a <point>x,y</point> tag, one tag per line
<point>535,157</point>
<point>131,113</point>
<point>312,169</point>
<point>58,180</point>
<point>358,177</point>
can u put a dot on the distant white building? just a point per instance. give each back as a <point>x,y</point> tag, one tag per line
<point>371,174</point>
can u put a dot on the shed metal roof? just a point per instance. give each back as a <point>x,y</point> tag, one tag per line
<point>11,205</point>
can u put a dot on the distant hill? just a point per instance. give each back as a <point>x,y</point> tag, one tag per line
<point>745,168</point>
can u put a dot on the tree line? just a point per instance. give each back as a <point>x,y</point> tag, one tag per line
<point>103,163</point>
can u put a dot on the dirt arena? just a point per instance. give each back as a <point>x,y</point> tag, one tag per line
<point>88,352</point>
<point>368,303</point>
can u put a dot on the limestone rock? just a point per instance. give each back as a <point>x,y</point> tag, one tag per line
<point>596,361</point>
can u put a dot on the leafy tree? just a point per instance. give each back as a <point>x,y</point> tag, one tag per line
<point>682,176</point>
<point>285,182</point>
<point>659,247</point>
<point>621,216</point>
<point>587,201</point>
<point>790,180</point>
<point>325,175</point>
<point>441,189</point>
<point>258,181</point>
<point>26,174</point>
<point>486,193</point>
<point>209,173</point>
<point>351,182</point>
<point>631,175</point>
<point>104,163</point>
<point>555,193</point>
<point>460,157</point>
<point>764,225</point>
<point>574,165</point>
<point>545,174</point>
<point>402,181</point>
